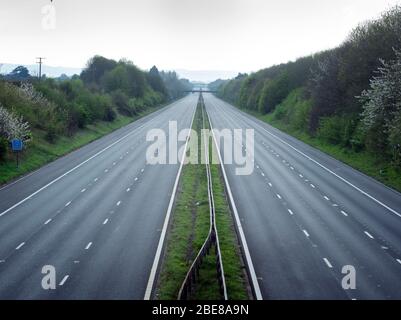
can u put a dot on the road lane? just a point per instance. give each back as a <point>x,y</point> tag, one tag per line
<point>64,225</point>
<point>293,207</point>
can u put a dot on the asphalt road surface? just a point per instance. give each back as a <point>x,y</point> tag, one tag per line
<point>95,215</point>
<point>306,215</point>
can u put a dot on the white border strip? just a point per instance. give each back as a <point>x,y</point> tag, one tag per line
<point>155,266</point>
<point>252,273</point>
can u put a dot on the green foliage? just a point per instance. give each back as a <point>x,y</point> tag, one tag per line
<point>106,89</point>
<point>155,81</point>
<point>175,87</point>
<point>294,110</point>
<point>329,107</point>
<point>382,110</point>
<point>274,91</point>
<point>336,130</point>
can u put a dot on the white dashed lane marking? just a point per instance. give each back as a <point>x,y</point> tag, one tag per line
<point>344,213</point>
<point>290,211</point>
<point>83,190</point>
<point>20,246</point>
<point>48,221</point>
<point>278,196</point>
<point>399,261</point>
<point>118,203</point>
<point>327,198</point>
<point>105,221</point>
<point>306,233</point>
<point>68,203</point>
<point>312,186</point>
<point>64,280</point>
<point>128,189</point>
<point>88,246</point>
<point>328,263</point>
<point>369,235</point>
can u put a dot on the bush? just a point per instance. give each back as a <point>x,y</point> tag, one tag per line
<point>294,110</point>
<point>336,130</point>
<point>121,101</point>
<point>273,93</point>
<point>109,114</point>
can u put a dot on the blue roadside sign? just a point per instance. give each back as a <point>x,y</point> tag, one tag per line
<point>17,144</point>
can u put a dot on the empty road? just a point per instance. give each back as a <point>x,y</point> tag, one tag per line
<point>95,215</point>
<point>306,216</point>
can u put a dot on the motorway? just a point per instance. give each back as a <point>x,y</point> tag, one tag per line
<point>96,215</point>
<point>306,215</point>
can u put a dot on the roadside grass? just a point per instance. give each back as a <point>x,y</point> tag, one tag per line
<point>368,163</point>
<point>41,152</point>
<point>188,230</point>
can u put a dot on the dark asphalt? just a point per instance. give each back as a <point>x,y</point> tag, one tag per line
<point>99,225</point>
<point>303,223</point>
<point>97,213</point>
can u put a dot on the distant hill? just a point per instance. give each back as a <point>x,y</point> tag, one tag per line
<point>49,71</point>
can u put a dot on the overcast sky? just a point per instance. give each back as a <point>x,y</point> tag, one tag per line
<point>233,35</point>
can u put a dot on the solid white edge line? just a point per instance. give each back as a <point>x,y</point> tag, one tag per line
<point>328,170</point>
<point>71,170</point>
<point>248,259</point>
<point>155,266</point>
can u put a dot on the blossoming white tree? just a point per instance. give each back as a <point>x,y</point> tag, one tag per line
<point>382,105</point>
<point>13,126</point>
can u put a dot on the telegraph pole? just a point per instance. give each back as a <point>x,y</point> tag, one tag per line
<point>40,59</point>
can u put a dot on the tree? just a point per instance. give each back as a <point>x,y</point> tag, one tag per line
<point>19,73</point>
<point>96,68</point>
<point>382,108</point>
<point>155,80</point>
<point>13,126</point>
